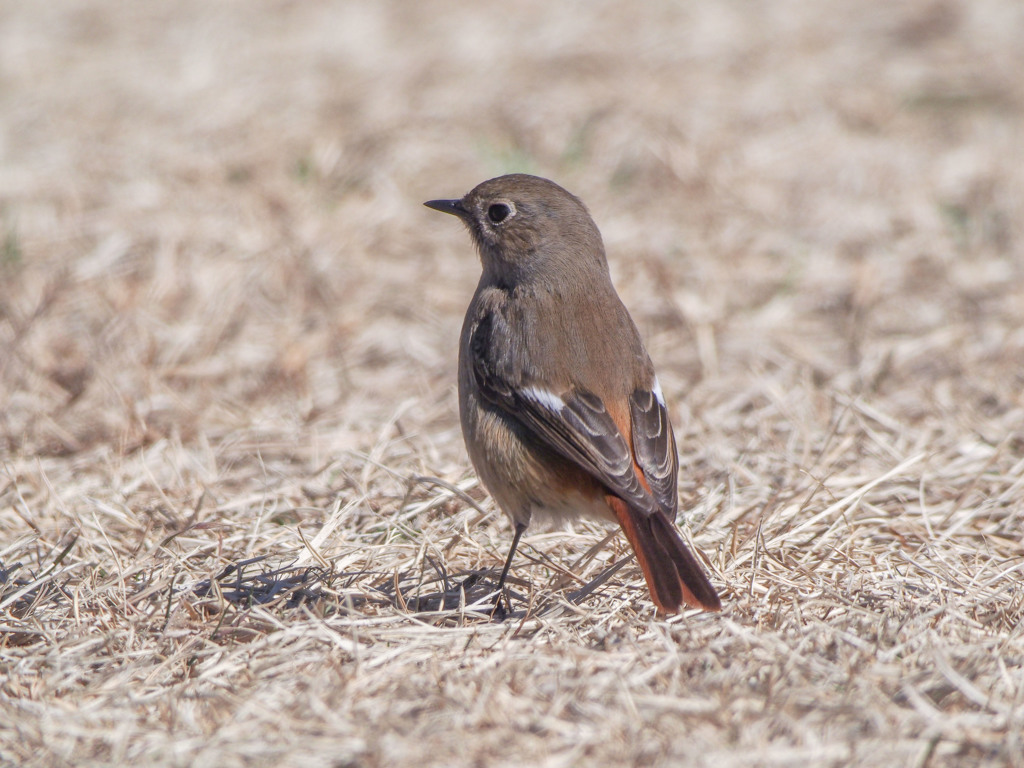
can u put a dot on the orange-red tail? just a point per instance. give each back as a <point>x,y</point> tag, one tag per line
<point>673,574</point>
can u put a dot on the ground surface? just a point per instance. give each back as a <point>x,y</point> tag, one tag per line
<point>228,332</point>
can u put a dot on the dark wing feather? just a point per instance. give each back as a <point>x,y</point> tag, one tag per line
<point>583,432</point>
<point>575,424</point>
<point>655,448</point>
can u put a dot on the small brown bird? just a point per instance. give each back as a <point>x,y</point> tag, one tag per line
<point>561,411</point>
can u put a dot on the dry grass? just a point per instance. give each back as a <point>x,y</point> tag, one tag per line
<point>227,350</point>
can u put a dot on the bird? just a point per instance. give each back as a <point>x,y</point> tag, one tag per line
<point>562,413</point>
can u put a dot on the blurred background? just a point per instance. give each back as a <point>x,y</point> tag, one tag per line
<point>210,212</point>
<point>228,341</point>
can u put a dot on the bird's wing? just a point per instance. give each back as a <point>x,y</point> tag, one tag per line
<point>654,446</point>
<point>577,425</point>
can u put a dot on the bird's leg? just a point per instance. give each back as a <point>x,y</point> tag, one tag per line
<point>520,527</point>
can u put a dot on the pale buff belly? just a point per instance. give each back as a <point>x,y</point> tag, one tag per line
<point>528,483</point>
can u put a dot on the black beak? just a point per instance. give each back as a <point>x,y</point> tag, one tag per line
<point>453,207</point>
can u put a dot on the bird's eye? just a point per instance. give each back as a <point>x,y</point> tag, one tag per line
<point>498,212</point>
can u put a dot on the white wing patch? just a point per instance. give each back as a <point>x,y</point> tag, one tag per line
<point>549,400</point>
<point>656,389</point>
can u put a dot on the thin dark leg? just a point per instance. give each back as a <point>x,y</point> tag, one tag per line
<point>511,553</point>
<point>520,527</point>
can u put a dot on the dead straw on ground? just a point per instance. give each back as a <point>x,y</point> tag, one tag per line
<point>237,525</point>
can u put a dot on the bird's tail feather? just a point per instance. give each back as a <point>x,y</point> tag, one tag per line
<point>674,576</point>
